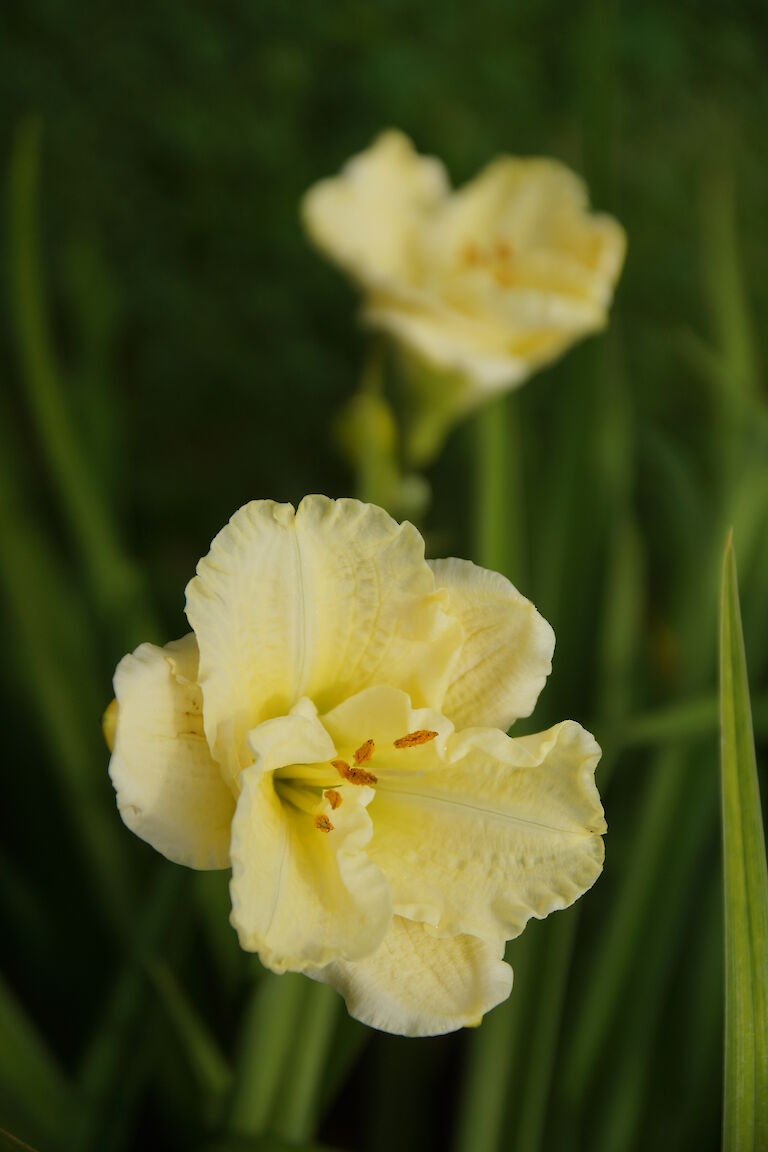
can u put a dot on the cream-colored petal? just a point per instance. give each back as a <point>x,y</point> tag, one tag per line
<point>519,209</point>
<point>504,829</point>
<point>302,896</point>
<point>170,792</point>
<point>497,345</point>
<point>299,738</point>
<point>368,218</point>
<point>514,269</point>
<point>507,651</point>
<point>418,985</point>
<point>320,603</point>
<point>385,715</point>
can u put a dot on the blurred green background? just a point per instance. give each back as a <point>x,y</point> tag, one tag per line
<point>170,347</point>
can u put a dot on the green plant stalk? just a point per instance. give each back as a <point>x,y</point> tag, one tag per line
<point>115,1046</point>
<point>499,497</point>
<point>625,1086</point>
<point>745,1117</point>
<point>30,1076</point>
<point>693,1122</point>
<point>558,945</point>
<point>498,522</point>
<point>42,607</point>
<point>198,1047</point>
<point>490,1061</point>
<point>663,793</point>
<point>299,1101</point>
<point>116,583</point>
<point>273,1017</point>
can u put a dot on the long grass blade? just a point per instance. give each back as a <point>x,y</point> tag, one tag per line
<point>33,1090</point>
<point>115,581</point>
<point>745,1120</point>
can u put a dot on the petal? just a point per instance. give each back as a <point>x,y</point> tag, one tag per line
<point>416,984</point>
<point>319,603</point>
<point>539,209</point>
<point>502,830</point>
<point>296,739</point>
<point>385,715</point>
<point>496,341</point>
<point>366,218</point>
<point>170,792</point>
<point>301,896</point>
<point>507,651</point>
<point>519,269</point>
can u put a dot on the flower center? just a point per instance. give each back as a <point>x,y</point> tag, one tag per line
<point>498,259</point>
<point>308,788</point>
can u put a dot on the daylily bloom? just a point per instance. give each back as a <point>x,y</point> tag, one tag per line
<point>485,284</point>
<point>333,729</point>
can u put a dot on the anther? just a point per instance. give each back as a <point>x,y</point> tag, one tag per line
<point>364,752</point>
<point>323,824</point>
<point>333,797</point>
<point>354,775</point>
<point>412,739</point>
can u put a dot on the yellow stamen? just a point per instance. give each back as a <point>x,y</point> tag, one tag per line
<point>420,736</point>
<point>333,797</point>
<point>323,824</point>
<point>364,752</point>
<point>354,775</point>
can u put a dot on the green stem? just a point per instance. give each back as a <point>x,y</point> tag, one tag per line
<point>491,1058</point>
<point>498,517</point>
<point>298,1105</point>
<point>559,940</point>
<point>272,1020</point>
<point>664,794</point>
<point>499,497</point>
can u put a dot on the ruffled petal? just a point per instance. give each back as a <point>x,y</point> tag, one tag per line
<point>416,984</point>
<point>366,219</point>
<point>507,651</point>
<point>170,792</point>
<point>303,889</point>
<point>320,603</point>
<point>531,216</point>
<point>497,831</point>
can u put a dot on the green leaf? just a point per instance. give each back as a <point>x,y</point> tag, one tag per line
<point>115,582</point>
<point>745,1121</point>
<point>199,1047</point>
<point>30,1076</point>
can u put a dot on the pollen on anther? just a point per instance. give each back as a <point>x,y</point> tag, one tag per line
<point>412,739</point>
<point>333,797</point>
<point>323,824</point>
<point>354,775</point>
<point>364,752</point>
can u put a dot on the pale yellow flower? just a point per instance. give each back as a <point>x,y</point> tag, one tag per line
<point>486,283</point>
<point>333,730</point>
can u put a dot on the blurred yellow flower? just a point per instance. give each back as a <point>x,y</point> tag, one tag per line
<point>486,283</point>
<point>334,730</point>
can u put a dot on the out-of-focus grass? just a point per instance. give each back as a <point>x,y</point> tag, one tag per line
<point>170,348</point>
<point>745,1118</point>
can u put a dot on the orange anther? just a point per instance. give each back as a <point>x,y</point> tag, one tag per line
<point>323,824</point>
<point>333,797</point>
<point>420,736</point>
<point>354,775</point>
<point>364,752</point>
